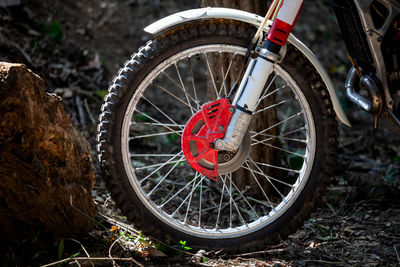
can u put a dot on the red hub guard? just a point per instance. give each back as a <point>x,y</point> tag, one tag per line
<point>200,132</point>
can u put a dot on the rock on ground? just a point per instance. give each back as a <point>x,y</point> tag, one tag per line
<point>46,174</point>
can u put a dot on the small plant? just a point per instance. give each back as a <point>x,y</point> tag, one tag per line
<point>182,246</point>
<point>101,93</point>
<point>54,30</point>
<point>60,249</point>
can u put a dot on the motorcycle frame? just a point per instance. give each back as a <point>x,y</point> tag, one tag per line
<point>375,36</point>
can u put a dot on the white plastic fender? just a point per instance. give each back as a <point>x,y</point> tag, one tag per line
<point>234,14</point>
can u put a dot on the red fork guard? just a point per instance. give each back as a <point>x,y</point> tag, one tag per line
<point>200,132</point>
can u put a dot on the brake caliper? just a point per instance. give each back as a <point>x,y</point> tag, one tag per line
<point>200,133</point>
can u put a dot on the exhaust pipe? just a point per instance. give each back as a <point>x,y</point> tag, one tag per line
<point>354,97</point>
<point>366,82</point>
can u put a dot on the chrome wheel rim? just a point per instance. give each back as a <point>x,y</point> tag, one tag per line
<point>186,200</point>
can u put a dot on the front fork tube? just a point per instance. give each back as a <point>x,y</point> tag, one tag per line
<point>246,99</point>
<point>256,76</point>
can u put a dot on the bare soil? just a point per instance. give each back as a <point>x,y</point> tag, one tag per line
<point>77,47</point>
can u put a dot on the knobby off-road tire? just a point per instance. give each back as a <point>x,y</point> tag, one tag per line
<point>139,135</point>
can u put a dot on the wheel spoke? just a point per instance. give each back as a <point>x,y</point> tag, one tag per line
<point>267,177</point>
<point>174,96</point>
<point>201,198</point>
<point>161,124</point>
<point>163,178</point>
<point>193,85</point>
<point>234,202</point>
<point>265,91</point>
<point>186,198</point>
<point>177,193</point>
<point>230,200</point>
<point>277,124</point>
<point>272,178</point>
<point>273,92</point>
<point>161,166</point>
<point>157,165</point>
<point>211,75</point>
<point>162,112</point>
<point>151,155</point>
<point>219,207</point>
<point>241,194</point>
<point>277,167</point>
<point>279,148</point>
<point>223,83</point>
<point>158,124</point>
<point>272,106</point>
<point>191,195</point>
<point>283,134</point>
<point>278,137</point>
<point>184,89</point>
<point>294,131</point>
<point>155,134</point>
<point>181,87</point>
<point>259,185</point>
<point>225,76</point>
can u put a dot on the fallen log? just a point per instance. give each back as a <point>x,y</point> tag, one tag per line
<point>46,174</point>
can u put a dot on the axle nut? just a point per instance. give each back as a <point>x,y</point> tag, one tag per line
<point>219,144</point>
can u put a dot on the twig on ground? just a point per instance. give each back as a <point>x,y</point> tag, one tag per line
<point>340,208</point>
<point>6,3</point>
<point>270,251</point>
<point>350,141</point>
<point>397,253</point>
<point>83,248</point>
<point>120,224</point>
<point>22,51</point>
<point>176,249</point>
<point>134,231</point>
<point>367,201</point>
<point>334,212</point>
<point>326,262</point>
<point>84,214</point>
<point>347,243</point>
<point>82,117</point>
<point>86,105</point>
<point>106,202</point>
<point>86,93</point>
<point>92,259</point>
<point>109,251</point>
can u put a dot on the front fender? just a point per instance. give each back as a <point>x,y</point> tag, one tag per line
<point>239,15</point>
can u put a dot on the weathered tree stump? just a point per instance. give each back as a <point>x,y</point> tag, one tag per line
<point>46,174</point>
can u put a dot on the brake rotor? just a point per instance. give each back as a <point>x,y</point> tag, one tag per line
<point>229,162</point>
<point>198,139</point>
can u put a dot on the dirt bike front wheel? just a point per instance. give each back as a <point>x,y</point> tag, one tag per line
<point>264,191</point>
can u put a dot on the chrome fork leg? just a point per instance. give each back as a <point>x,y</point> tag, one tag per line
<point>245,102</point>
<point>257,74</point>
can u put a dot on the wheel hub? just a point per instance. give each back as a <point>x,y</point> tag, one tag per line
<point>202,129</point>
<point>231,161</point>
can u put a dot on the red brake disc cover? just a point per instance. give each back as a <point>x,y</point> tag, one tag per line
<point>200,132</point>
